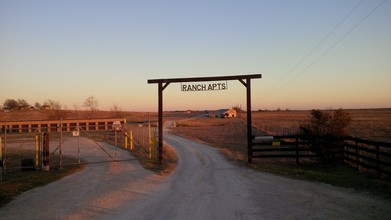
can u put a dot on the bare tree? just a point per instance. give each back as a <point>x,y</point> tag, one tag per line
<point>11,104</point>
<point>55,109</point>
<point>238,108</point>
<point>76,107</point>
<point>37,105</point>
<point>22,103</point>
<point>91,103</point>
<point>117,111</point>
<point>54,105</point>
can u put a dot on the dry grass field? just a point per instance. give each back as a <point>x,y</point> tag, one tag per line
<point>368,124</point>
<point>373,124</point>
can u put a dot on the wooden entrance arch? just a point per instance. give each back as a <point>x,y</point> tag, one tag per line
<point>244,79</point>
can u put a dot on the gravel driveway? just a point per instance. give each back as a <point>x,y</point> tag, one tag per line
<point>204,186</point>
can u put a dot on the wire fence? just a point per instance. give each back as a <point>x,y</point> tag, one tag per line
<point>56,147</point>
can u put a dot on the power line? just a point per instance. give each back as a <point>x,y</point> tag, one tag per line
<point>332,46</point>
<point>320,43</point>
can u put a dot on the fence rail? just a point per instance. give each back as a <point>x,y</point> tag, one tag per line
<point>57,125</point>
<point>366,154</point>
<point>360,153</point>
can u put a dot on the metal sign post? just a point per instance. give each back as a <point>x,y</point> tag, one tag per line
<point>76,133</point>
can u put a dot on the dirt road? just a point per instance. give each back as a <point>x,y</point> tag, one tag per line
<point>204,186</point>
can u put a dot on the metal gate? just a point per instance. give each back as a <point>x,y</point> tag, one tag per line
<point>55,147</point>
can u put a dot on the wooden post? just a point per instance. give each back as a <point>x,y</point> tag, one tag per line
<point>378,160</point>
<point>4,165</point>
<point>160,114</point>
<point>357,155</point>
<point>149,137</point>
<point>297,150</point>
<point>1,149</point>
<point>60,143</point>
<point>247,84</point>
<point>1,160</point>
<point>78,145</point>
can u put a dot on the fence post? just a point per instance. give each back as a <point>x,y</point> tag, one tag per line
<point>46,153</point>
<point>5,150</point>
<point>1,160</point>
<point>357,155</point>
<point>1,149</point>
<point>378,160</point>
<point>149,139</point>
<point>131,139</point>
<point>116,140</point>
<point>36,151</point>
<point>61,143</point>
<point>78,145</point>
<point>297,150</point>
<point>155,145</point>
<point>126,140</point>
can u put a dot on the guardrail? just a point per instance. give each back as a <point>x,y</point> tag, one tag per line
<point>57,125</point>
<point>360,153</point>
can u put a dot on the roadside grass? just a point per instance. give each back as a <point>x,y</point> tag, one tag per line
<point>336,175</point>
<point>16,182</point>
<point>168,165</point>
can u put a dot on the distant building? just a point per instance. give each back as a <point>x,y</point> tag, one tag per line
<point>28,108</point>
<point>230,113</point>
<point>6,109</point>
<point>46,107</point>
<point>226,113</point>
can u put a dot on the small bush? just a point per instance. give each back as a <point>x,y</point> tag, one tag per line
<point>324,133</point>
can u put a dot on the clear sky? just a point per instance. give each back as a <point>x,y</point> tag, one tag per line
<point>311,54</point>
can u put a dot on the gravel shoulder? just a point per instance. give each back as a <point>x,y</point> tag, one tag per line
<point>203,186</point>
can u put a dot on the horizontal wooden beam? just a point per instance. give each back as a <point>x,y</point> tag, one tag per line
<point>205,79</point>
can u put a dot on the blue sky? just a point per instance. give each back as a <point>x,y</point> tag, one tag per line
<point>311,54</point>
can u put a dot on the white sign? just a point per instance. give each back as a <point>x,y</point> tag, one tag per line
<point>204,86</point>
<point>117,125</point>
<point>75,133</point>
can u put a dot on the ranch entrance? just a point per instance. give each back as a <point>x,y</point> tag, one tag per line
<point>244,79</point>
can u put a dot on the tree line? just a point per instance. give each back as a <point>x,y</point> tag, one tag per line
<point>90,103</point>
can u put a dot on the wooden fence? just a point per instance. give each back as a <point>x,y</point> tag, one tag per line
<point>365,154</point>
<point>57,125</point>
<point>360,153</point>
<point>286,146</point>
